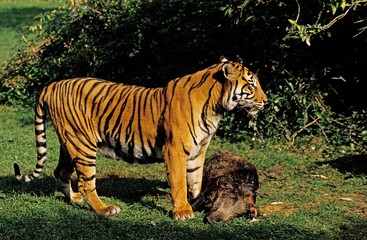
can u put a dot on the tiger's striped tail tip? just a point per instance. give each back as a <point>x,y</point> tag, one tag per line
<point>17,172</point>
<point>20,176</point>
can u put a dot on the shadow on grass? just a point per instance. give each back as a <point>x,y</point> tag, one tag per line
<point>355,164</point>
<point>128,190</point>
<point>65,223</point>
<point>44,186</point>
<point>132,190</point>
<point>71,225</point>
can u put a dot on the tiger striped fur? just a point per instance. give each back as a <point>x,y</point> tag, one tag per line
<point>174,123</point>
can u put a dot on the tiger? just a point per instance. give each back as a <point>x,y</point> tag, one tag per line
<point>174,123</point>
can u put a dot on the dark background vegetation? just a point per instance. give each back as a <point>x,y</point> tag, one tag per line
<point>310,57</point>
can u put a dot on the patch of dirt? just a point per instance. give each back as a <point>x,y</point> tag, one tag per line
<point>272,209</point>
<point>272,173</point>
<point>360,201</point>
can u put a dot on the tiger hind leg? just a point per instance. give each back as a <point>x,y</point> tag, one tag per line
<point>86,170</point>
<point>63,173</point>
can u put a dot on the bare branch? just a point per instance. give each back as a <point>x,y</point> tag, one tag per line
<point>303,128</point>
<point>337,18</point>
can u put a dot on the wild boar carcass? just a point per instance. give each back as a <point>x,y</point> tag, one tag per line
<point>229,188</point>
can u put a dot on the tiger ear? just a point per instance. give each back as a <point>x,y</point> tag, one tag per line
<point>223,59</point>
<point>227,69</point>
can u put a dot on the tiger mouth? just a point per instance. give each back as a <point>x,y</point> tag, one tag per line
<point>252,112</point>
<point>252,109</point>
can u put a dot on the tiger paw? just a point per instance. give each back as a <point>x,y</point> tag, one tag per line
<point>109,210</point>
<point>183,214</point>
<point>76,198</point>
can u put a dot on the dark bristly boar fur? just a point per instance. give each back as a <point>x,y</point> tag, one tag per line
<point>229,188</point>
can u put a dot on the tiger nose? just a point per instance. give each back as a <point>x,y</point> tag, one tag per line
<point>265,100</point>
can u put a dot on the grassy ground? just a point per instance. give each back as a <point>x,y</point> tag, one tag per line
<point>304,196</point>
<point>14,16</point>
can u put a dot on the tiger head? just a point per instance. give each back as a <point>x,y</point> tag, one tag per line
<point>241,88</point>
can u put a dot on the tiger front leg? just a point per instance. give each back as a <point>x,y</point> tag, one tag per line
<point>176,170</point>
<point>195,168</point>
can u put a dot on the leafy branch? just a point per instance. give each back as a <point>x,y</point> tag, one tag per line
<point>306,31</point>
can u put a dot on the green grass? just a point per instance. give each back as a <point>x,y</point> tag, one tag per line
<point>14,16</point>
<point>309,191</point>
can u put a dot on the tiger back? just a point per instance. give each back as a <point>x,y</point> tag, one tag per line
<point>174,123</point>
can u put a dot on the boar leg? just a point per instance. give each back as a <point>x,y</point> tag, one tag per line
<point>198,203</point>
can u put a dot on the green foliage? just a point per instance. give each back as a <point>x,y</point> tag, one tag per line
<point>303,101</point>
<point>317,16</point>
<point>124,42</point>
